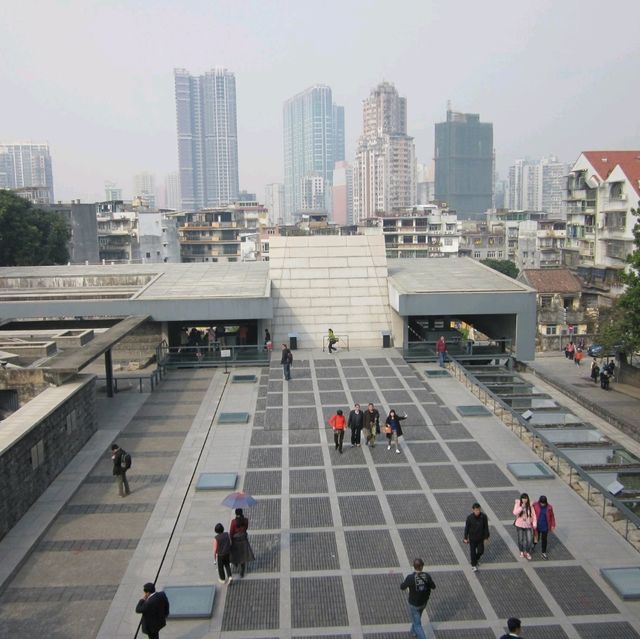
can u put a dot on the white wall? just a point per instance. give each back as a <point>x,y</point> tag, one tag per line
<point>322,282</point>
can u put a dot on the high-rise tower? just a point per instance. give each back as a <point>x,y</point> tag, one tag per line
<point>464,163</point>
<point>24,165</point>
<point>384,170</point>
<point>310,147</point>
<point>207,138</point>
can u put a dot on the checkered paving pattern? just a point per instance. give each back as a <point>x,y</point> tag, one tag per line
<point>355,521</point>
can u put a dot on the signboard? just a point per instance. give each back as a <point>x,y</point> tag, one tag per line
<point>225,352</point>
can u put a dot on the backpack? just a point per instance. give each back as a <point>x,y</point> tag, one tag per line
<point>290,357</point>
<point>125,460</point>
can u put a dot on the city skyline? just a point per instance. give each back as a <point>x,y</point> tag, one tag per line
<point>507,59</point>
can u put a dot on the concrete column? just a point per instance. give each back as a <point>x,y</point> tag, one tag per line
<point>108,368</point>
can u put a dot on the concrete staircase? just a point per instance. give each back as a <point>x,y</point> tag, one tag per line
<point>321,282</point>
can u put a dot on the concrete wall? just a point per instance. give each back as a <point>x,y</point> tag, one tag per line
<point>322,282</point>
<point>27,382</point>
<point>39,440</point>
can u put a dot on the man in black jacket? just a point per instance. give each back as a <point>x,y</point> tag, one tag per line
<point>476,532</point>
<point>154,608</point>
<point>286,360</point>
<point>355,423</point>
<point>120,470</point>
<point>420,586</point>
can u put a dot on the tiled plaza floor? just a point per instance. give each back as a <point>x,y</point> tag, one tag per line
<point>335,534</point>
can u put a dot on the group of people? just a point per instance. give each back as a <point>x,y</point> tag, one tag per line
<point>575,352</point>
<point>232,547</point>
<point>602,374</point>
<point>369,421</point>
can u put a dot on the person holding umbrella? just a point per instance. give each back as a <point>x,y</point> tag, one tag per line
<point>241,551</point>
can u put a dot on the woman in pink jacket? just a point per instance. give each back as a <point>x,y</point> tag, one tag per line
<point>525,524</point>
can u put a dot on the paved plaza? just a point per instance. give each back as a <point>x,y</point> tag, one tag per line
<point>333,534</point>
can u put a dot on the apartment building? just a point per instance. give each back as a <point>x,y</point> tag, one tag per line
<point>421,231</point>
<point>216,234</point>
<point>603,188</point>
<point>482,241</point>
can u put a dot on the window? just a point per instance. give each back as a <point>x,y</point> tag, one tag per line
<point>37,454</point>
<point>551,329</point>
<point>72,421</point>
<point>448,241</point>
<point>491,254</point>
<point>476,254</point>
<point>148,254</point>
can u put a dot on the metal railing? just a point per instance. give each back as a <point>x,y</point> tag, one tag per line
<point>151,380</point>
<point>578,478</point>
<point>211,355</point>
<point>342,342</point>
<point>425,351</point>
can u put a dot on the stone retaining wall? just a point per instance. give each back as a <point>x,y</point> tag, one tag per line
<point>39,440</point>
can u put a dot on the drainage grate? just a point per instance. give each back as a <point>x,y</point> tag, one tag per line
<point>437,372</point>
<point>530,470</point>
<point>625,581</point>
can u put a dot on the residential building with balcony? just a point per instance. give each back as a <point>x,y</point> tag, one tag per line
<point>482,241</point>
<point>421,231</point>
<point>559,313</point>
<point>602,189</point>
<point>539,243</point>
<point>216,234</point>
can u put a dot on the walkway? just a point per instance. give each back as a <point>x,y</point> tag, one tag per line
<point>334,534</point>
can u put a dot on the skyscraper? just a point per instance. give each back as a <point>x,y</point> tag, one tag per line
<point>338,133</point>
<point>172,191</point>
<point>538,185</point>
<point>25,164</point>
<point>207,138</point>
<point>112,192</point>
<point>384,171</point>
<point>309,148</point>
<point>274,202</point>
<point>342,194</point>
<point>144,188</point>
<point>464,163</point>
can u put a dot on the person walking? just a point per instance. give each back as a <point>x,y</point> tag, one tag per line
<point>393,430</point>
<point>222,554</point>
<point>372,424</point>
<point>241,551</point>
<point>595,371</point>
<point>331,339</point>
<point>267,340</point>
<point>286,360</point>
<point>338,424</point>
<point>476,532</point>
<point>545,523</point>
<point>471,338</point>
<point>441,350</point>
<point>355,423</point>
<point>514,626</point>
<point>577,358</point>
<point>525,524</point>
<point>154,608</point>
<point>121,464</point>
<point>420,585</point>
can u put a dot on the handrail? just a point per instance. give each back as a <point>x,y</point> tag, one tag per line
<point>153,378</point>
<point>516,422</point>
<point>210,355</point>
<point>342,341</point>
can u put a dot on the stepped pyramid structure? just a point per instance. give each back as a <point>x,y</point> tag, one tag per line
<point>322,282</point>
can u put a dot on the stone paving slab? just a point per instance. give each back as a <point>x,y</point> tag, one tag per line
<point>351,456</point>
<point>486,475</point>
<point>297,437</point>
<point>380,600</point>
<point>394,397</point>
<point>417,433</point>
<point>305,456</point>
<point>264,458</point>
<point>265,515</point>
<point>309,480</point>
<point>452,431</point>
<point>370,549</point>
<point>477,633</point>
<point>365,397</point>
<point>397,478</point>
<point>272,419</point>
<point>496,551</point>
<point>453,599</point>
<point>252,605</point>
<point>442,476</point>
<point>266,482</point>
<point>361,510</point>
<point>556,550</point>
<point>353,480</point>
<point>410,508</point>
<point>455,505</point>
<point>468,451</point>
<point>301,399</point>
<point>430,544</point>
<point>545,632</point>
<point>266,437</point>
<point>388,383</point>
<point>364,384</point>
<point>314,551</point>
<point>512,594</point>
<point>610,630</point>
<point>501,502</point>
<point>303,419</point>
<point>310,512</point>
<point>266,548</point>
<point>428,452</point>
<point>318,602</point>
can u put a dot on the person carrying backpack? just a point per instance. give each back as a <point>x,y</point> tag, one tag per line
<point>420,585</point>
<point>286,360</point>
<point>121,464</point>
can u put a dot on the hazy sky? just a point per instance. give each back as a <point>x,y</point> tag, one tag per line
<point>95,79</point>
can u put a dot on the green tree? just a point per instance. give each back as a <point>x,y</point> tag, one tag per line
<point>30,236</point>
<point>503,266</point>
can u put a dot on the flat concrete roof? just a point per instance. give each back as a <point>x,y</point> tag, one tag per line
<point>201,280</point>
<point>450,275</point>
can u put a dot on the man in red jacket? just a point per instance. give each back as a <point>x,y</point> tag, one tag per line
<point>338,423</point>
<point>441,350</point>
